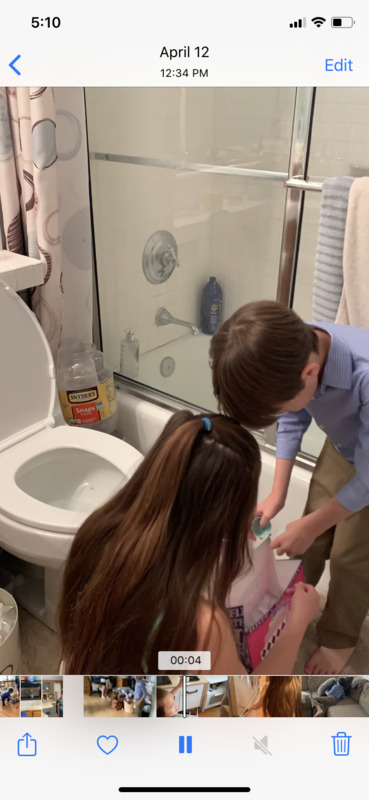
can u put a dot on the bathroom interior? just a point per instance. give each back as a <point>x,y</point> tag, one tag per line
<point>157,190</point>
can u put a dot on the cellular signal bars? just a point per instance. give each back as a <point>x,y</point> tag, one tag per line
<point>299,23</point>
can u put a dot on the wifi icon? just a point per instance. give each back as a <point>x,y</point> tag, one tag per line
<point>318,21</point>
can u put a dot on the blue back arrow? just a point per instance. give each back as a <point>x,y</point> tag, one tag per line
<point>11,65</point>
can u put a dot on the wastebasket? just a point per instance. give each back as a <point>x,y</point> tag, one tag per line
<point>10,656</point>
<point>341,744</point>
<point>128,706</point>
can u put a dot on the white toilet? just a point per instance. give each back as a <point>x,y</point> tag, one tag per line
<point>52,477</point>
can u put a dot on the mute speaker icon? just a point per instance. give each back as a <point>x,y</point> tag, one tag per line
<point>262,744</point>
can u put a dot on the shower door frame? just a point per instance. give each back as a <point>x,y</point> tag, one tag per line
<point>296,182</point>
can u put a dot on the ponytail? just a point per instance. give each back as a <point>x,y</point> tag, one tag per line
<point>140,566</point>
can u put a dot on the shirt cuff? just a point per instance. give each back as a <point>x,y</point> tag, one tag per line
<point>354,495</point>
<point>287,448</point>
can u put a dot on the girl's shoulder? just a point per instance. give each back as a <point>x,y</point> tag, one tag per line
<point>214,633</point>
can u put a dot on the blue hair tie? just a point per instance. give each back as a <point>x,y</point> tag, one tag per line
<point>207,422</point>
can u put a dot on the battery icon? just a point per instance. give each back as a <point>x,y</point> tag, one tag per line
<point>342,22</point>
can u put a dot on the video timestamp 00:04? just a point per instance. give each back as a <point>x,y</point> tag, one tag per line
<point>184,73</point>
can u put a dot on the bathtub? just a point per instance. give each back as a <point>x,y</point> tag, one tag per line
<point>181,369</point>
<point>141,422</point>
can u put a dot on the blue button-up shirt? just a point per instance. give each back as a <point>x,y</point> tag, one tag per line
<point>140,690</point>
<point>340,407</point>
<point>337,692</point>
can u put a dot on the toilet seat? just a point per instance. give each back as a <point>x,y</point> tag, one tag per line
<point>27,372</point>
<point>16,504</point>
<point>34,453</point>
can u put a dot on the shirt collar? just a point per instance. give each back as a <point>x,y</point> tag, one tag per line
<point>338,366</point>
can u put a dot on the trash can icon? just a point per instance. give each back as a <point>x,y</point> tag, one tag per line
<point>341,744</point>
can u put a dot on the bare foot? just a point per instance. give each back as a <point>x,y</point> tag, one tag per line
<point>327,661</point>
<point>319,711</point>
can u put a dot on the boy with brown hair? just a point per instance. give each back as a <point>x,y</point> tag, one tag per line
<point>269,365</point>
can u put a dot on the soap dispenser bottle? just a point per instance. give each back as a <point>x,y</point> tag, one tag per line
<point>129,355</point>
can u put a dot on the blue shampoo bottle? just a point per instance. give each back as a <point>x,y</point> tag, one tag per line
<point>211,307</point>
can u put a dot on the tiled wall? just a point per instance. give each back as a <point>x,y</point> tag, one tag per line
<point>227,226</point>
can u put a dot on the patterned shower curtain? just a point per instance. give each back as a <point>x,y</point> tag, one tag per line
<point>44,202</point>
<point>29,194</point>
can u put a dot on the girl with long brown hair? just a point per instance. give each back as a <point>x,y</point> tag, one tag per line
<point>151,569</point>
<point>280,697</point>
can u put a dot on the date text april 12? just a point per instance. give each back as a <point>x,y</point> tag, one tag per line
<point>185,52</point>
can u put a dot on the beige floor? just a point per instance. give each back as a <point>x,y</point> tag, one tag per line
<point>215,712</point>
<point>210,712</point>
<point>9,711</point>
<point>359,663</point>
<point>95,706</point>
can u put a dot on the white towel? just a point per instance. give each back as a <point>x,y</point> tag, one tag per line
<point>354,305</point>
<point>328,271</point>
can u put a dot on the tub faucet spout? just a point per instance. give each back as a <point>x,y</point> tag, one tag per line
<point>164,317</point>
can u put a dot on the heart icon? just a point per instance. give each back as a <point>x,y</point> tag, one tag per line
<point>107,744</point>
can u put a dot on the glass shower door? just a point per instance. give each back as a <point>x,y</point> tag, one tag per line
<point>339,146</point>
<point>206,166</point>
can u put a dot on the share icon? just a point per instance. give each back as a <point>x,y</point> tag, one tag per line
<point>262,745</point>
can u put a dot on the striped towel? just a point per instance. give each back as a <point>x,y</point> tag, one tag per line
<point>328,272</point>
<point>354,305</point>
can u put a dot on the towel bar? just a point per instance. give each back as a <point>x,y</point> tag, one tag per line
<point>300,183</point>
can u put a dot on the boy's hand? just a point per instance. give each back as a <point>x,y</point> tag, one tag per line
<point>268,508</point>
<point>296,539</point>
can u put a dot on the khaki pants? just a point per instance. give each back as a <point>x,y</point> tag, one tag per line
<point>346,545</point>
<point>324,702</point>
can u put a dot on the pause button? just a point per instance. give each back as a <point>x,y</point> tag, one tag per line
<point>185,744</point>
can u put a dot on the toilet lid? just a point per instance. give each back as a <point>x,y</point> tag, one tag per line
<point>26,371</point>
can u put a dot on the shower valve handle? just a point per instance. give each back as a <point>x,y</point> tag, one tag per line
<point>169,259</point>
